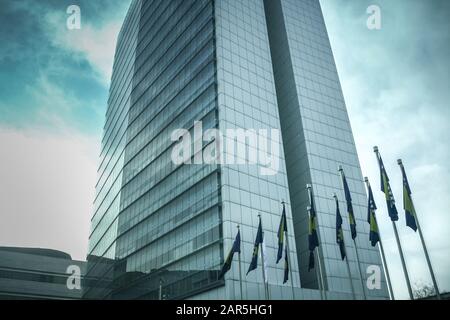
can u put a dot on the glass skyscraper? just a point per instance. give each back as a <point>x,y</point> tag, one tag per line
<point>161,230</point>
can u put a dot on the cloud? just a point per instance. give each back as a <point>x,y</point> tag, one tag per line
<point>393,82</point>
<point>45,58</point>
<point>47,189</point>
<point>51,102</point>
<point>53,95</point>
<point>94,43</point>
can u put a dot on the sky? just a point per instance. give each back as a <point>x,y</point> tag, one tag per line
<point>54,86</point>
<point>396,83</point>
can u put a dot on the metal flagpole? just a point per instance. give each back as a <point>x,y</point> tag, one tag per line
<point>359,269</point>
<point>349,274</point>
<point>321,279</point>
<point>266,288</point>
<point>397,239</point>
<point>263,251</point>
<point>383,257</point>
<point>386,272</point>
<point>266,291</point>
<point>240,273</point>
<point>160,288</point>
<point>288,253</point>
<point>400,163</point>
<point>341,171</point>
<point>290,266</point>
<point>346,258</point>
<point>318,268</point>
<point>433,278</point>
<point>315,257</point>
<point>402,258</point>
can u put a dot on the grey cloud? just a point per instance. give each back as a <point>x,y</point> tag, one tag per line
<point>395,83</point>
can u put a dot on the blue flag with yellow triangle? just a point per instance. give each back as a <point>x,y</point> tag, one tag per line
<point>286,266</point>
<point>258,242</point>
<point>386,188</point>
<point>282,229</point>
<point>235,248</point>
<point>348,199</point>
<point>410,211</point>
<point>311,263</point>
<point>374,235</point>
<point>313,239</point>
<point>339,231</point>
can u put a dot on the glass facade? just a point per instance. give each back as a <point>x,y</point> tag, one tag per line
<point>157,221</point>
<point>160,229</point>
<point>318,138</point>
<point>104,223</point>
<point>247,99</point>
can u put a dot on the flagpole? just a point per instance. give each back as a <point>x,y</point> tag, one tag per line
<point>385,267</point>
<point>341,172</point>
<point>315,257</point>
<point>160,289</point>
<point>266,289</point>
<point>319,277</point>
<point>383,257</point>
<point>397,239</point>
<point>349,274</point>
<point>386,272</point>
<point>346,258</point>
<point>288,253</point>
<point>290,266</point>
<point>319,262</point>
<point>360,273</point>
<point>433,278</point>
<point>319,280</point>
<point>240,273</point>
<point>402,258</point>
<point>322,281</point>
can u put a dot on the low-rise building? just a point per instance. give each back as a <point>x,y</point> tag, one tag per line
<point>34,273</point>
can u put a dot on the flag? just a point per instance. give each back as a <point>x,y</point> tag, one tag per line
<point>236,248</point>
<point>286,266</point>
<point>339,232</point>
<point>311,261</point>
<point>313,239</point>
<point>410,212</point>
<point>348,199</point>
<point>258,241</point>
<point>282,229</point>
<point>374,235</point>
<point>386,188</point>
